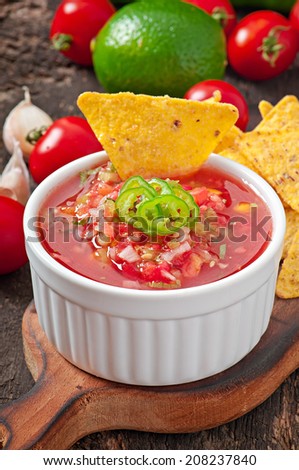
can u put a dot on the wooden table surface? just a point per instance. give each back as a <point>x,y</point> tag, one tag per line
<point>27,59</point>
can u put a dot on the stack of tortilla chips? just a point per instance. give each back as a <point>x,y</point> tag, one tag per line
<point>272,150</point>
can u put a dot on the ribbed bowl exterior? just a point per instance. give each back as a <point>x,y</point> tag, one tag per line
<point>153,352</point>
<point>147,337</point>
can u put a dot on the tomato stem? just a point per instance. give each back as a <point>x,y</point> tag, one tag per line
<point>61,41</point>
<point>270,46</point>
<point>35,134</point>
<point>221,16</point>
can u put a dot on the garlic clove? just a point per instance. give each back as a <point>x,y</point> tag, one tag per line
<point>22,121</point>
<point>14,181</point>
<point>8,193</point>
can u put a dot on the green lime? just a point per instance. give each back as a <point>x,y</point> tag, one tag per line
<point>159,47</point>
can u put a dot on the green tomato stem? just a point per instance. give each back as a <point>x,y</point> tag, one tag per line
<point>35,134</point>
<point>61,41</point>
<point>271,47</point>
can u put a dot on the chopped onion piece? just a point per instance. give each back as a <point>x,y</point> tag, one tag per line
<point>168,275</point>
<point>129,254</point>
<point>180,250</point>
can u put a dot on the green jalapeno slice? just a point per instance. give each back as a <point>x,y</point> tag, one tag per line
<point>127,202</point>
<point>137,182</point>
<point>175,213</point>
<point>161,186</point>
<point>188,199</point>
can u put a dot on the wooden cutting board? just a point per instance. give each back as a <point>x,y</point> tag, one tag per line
<point>66,403</point>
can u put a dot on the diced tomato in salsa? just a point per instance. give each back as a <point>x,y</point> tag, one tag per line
<point>86,233</point>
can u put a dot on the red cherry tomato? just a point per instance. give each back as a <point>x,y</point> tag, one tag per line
<point>75,24</point>
<point>12,241</point>
<point>204,90</point>
<point>65,140</point>
<point>262,45</point>
<point>294,19</point>
<point>221,10</point>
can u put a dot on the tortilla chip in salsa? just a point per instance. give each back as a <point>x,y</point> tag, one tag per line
<point>156,135</point>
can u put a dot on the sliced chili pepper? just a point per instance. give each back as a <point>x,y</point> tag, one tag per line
<point>137,182</point>
<point>160,186</point>
<point>175,214</point>
<point>127,202</point>
<point>188,199</point>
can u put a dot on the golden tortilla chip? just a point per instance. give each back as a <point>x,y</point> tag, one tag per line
<point>264,108</point>
<point>283,115</point>
<point>156,136</point>
<point>216,98</point>
<point>273,149</point>
<point>231,147</point>
<point>292,218</point>
<point>288,279</point>
<point>234,153</point>
<point>228,139</point>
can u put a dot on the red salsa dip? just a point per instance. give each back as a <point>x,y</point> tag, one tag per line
<point>155,234</point>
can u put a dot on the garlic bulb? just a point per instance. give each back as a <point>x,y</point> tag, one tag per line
<point>14,181</point>
<point>25,123</point>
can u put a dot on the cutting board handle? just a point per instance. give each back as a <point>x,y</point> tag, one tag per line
<point>25,421</point>
<point>28,422</point>
<point>58,410</point>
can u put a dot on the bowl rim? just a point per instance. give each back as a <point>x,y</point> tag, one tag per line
<point>257,183</point>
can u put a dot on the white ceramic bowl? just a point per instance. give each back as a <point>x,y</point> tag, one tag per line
<point>154,337</point>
